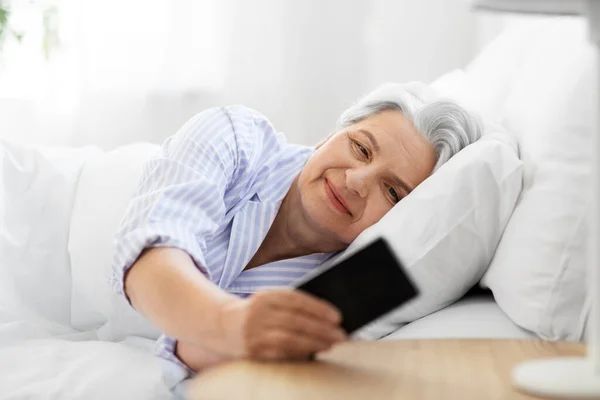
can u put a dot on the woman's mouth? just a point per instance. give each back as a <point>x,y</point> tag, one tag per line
<point>337,204</point>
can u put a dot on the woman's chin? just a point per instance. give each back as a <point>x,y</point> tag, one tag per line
<point>328,224</point>
<point>337,235</point>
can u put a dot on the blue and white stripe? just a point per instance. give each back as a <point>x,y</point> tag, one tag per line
<point>214,191</point>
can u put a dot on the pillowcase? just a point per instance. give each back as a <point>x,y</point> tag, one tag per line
<point>491,74</point>
<point>106,186</point>
<point>539,270</point>
<point>486,82</point>
<point>446,231</point>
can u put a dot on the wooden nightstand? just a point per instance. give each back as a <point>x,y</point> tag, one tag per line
<point>404,369</point>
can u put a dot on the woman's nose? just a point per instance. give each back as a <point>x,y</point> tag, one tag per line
<point>357,180</point>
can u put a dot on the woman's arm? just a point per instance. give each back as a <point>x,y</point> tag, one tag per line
<point>213,325</point>
<point>167,288</point>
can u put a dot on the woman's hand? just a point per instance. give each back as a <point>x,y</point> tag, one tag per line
<point>280,324</point>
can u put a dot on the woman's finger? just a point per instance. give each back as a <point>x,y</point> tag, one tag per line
<point>307,304</point>
<point>305,325</point>
<point>279,345</point>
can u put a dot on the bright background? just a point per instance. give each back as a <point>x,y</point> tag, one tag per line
<point>136,70</point>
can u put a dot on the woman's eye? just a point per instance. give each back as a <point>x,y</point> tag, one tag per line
<point>362,149</point>
<point>394,194</point>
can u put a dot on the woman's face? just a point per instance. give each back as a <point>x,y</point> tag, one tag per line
<point>359,173</point>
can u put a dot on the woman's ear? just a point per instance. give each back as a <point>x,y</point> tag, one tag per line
<point>322,142</point>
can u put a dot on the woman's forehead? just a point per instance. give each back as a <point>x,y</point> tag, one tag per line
<point>389,124</point>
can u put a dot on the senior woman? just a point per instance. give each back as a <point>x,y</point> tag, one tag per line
<point>229,215</point>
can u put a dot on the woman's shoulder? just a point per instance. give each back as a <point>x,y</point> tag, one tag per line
<point>240,140</point>
<point>252,126</point>
<point>256,140</point>
<point>235,132</point>
<point>243,114</point>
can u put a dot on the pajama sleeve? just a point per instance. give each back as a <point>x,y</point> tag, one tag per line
<point>180,196</point>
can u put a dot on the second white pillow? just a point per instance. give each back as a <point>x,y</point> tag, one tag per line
<point>446,231</point>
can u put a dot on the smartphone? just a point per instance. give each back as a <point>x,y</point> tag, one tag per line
<point>368,284</point>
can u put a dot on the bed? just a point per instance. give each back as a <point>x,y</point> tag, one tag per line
<point>476,315</point>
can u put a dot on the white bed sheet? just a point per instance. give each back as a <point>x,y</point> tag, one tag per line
<point>472,317</point>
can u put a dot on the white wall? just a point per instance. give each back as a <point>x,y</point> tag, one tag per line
<point>301,63</point>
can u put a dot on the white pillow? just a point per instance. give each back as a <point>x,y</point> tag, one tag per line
<point>538,273</point>
<point>491,73</point>
<point>106,186</point>
<point>485,84</point>
<point>37,192</point>
<point>446,231</point>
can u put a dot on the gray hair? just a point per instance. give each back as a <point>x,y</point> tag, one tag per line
<point>443,122</point>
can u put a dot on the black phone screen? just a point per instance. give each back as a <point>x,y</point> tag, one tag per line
<point>364,286</point>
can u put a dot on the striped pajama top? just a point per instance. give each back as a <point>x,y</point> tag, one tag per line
<point>214,191</point>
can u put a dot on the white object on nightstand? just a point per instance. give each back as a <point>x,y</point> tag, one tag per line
<point>573,378</point>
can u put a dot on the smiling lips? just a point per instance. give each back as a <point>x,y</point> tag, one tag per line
<point>336,199</point>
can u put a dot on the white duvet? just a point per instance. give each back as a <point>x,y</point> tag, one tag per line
<point>61,369</point>
<point>42,354</point>
<point>41,360</point>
